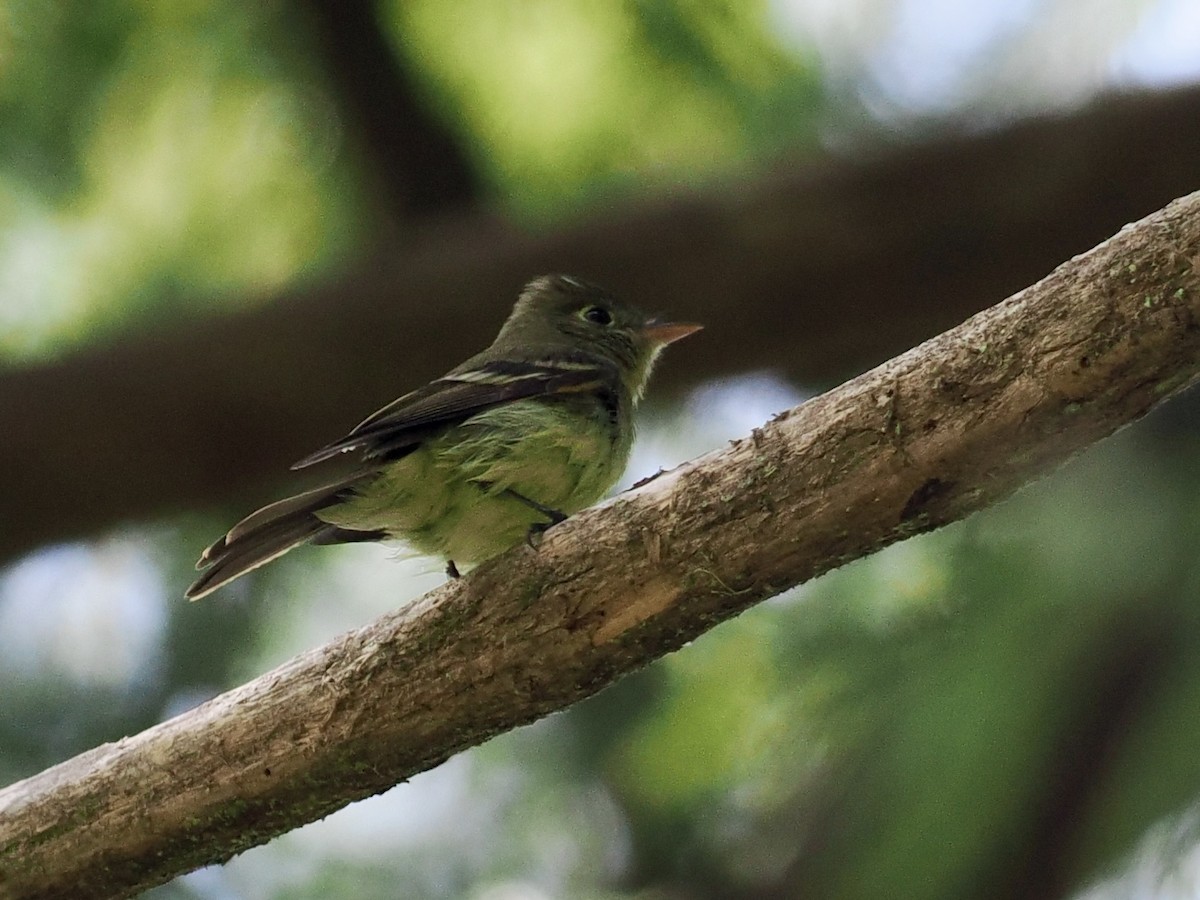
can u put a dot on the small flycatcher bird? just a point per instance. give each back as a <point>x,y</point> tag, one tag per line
<point>534,428</point>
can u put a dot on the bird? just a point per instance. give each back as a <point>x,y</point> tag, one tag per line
<point>532,429</point>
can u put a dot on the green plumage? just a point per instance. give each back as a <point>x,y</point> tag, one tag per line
<point>451,497</point>
<point>534,428</point>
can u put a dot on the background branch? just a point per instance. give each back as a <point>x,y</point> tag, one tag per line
<point>417,163</point>
<point>925,439</point>
<point>815,273</point>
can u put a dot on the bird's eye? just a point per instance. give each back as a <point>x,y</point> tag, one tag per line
<point>598,315</point>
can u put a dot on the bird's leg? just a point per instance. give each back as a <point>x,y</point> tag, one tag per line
<point>537,529</point>
<point>452,569</point>
<point>554,515</point>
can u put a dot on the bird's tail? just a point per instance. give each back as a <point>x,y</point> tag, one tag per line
<point>274,530</point>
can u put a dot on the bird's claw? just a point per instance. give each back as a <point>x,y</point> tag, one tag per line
<point>537,532</point>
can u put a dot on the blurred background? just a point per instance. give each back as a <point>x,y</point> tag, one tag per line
<point>228,231</point>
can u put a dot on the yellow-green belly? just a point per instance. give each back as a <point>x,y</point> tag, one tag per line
<point>450,497</point>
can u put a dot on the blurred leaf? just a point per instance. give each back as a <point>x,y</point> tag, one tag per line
<point>176,152</point>
<point>570,101</point>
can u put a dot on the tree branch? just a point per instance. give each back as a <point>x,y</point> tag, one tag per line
<point>925,439</point>
<point>418,163</point>
<point>816,272</point>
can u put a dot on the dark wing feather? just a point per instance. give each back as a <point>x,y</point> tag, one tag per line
<point>405,423</point>
<point>274,530</point>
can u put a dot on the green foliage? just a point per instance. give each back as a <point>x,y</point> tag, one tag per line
<point>172,152</point>
<point>184,152</point>
<point>567,101</point>
<point>44,109</point>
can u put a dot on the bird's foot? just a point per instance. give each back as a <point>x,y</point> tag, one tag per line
<point>538,530</point>
<point>452,569</point>
<point>535,534</point>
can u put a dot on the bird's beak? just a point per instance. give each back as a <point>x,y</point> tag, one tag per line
<point>664,333</point>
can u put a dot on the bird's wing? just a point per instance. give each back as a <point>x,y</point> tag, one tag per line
<point>403,424</point>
